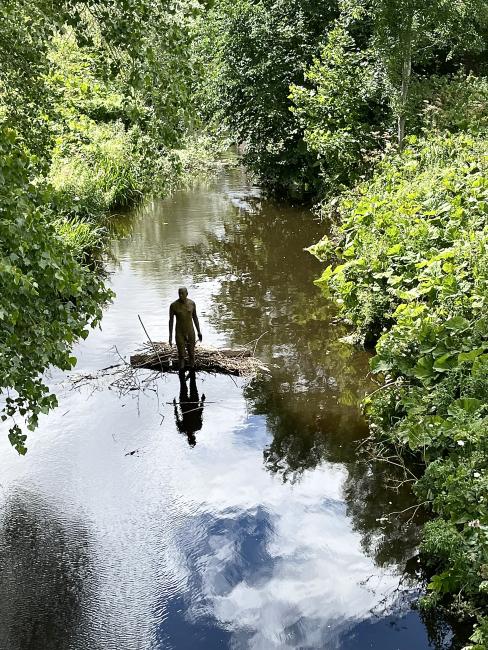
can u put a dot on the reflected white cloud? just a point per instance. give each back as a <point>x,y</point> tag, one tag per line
<point>318,585</point>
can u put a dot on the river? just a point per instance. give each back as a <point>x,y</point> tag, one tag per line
<point>258,525</point>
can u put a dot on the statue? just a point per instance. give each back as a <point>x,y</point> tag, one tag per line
<point>184,310</point>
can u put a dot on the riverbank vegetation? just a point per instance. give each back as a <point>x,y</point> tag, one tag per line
<point>94,97</point>
<point>374,109</point>
<point>412,276</point>
<point>377,109</point>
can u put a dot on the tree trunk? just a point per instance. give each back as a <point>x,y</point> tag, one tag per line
<point>405,87</point>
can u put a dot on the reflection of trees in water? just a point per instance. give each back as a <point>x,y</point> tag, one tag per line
<point>156,232</point>
<point>386,538</point>
<point>305,433</point>
<point>266,285</point>
<point>265,276</point>
<point>311,400</point>
<point>43,567</point>
<point>307,427</point>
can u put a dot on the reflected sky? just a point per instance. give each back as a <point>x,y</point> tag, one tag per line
<point>262,534</point>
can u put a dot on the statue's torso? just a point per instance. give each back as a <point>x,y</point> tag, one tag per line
<point>183,312</point>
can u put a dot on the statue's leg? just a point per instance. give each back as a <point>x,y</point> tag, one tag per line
<point>191,353</point>
<point>180,344</point>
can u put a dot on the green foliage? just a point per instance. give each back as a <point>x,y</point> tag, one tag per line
<point>205,151</point>
<point>103,157</point>
<point>403,233</point>
<point>314,91</point>
<point>47,297</point>
<point>252,52</point>
<point>480,635</point>
<point>407,35</point>
<point>84,240</point>
<point>450,102</point>
<point>25,31</point>
<point>148,45</point>
<point>102,173</point>
<point>413,277</point>
<point>445,552</point>
<point>342,110</point>
<point>92,97</point>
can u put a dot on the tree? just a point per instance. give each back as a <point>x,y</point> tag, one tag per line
<point>342,109</point>
<point>253,51</point>
<point>405,33</point>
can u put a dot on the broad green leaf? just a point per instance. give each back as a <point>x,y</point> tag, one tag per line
<point>468,404</point>
<point>424,368</point>
<point>470,356</point>
<point>445,362</point>
<point>457,323</point>
<point>394,250</point>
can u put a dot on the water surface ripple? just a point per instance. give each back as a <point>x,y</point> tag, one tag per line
<point>260,528</point>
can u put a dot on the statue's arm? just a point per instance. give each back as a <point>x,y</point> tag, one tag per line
<point>195,320</point>
<point>171,321</point>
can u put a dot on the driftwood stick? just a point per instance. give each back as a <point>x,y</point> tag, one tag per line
<point>145,330</point>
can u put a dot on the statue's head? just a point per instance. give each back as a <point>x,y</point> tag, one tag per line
<point>182,293</point>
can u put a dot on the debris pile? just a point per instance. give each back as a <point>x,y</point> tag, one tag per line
<point>161,356</point>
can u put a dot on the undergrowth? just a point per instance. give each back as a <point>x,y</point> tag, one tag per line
<point>101,160</point>
<point>205,151</point>
<point>410,272</point>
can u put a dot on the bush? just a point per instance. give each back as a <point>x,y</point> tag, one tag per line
<point>450,102</point>
<point>342,110</point>
<point>47,298</point>
<point>83,240</point>
<point>204,151</point>
<point>105,155</point>
<point>403,233</point>
<point>95,172</point>
<point>413,277</point>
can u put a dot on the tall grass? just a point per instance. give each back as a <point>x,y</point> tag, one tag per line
<point>84,239</point>
<point>97,172</point>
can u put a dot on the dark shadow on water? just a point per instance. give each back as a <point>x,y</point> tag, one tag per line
<point>44,564</point>
<point>404,632</point>
<point>189,410</point>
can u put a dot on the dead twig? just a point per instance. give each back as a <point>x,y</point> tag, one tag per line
<point>145,330</point>
<point>161,356</point>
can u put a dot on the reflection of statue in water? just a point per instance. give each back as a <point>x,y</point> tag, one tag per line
<point>190,418</point>
<point>185,312</point>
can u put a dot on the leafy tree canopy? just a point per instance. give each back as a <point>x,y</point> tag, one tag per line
<point>253,51</point>
<point>91,84</point>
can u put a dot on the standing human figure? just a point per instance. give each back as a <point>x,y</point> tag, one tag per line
<point>185,312</point>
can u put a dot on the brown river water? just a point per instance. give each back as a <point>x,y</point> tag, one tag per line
<point>259,525</point>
